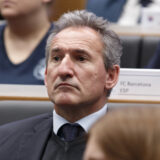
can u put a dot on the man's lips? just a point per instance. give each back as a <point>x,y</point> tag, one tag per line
<point>65,85</point>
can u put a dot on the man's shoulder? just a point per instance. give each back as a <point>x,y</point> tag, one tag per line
<point>24,125</point>
<point>14,134</point>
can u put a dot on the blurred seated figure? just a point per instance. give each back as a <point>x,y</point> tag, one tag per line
<point>23,39</point>
<point>122,12</point>
<point>155,60</point>
<point>109,9</point>
<point>126,134</point>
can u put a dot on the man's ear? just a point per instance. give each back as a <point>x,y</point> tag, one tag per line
<point>112,77</point>
<point>45,77</point>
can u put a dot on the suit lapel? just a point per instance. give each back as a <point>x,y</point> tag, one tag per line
<point>32,143</point>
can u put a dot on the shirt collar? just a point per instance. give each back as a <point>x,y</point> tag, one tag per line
<point>58,121</point>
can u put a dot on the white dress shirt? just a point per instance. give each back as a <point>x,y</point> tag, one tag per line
<point>85,122</point>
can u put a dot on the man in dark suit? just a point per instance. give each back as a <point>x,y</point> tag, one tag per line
<point>82,66</point>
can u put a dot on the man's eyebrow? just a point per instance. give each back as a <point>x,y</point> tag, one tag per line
<point>56,49</point>
<point>79,50</point>
<point>72,50</point>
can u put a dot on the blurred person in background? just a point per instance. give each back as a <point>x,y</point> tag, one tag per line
<point>154,62</point>
<point>121,12</point>
<point>109,9</point>
<point>23,39</point>
<point>125,134</point>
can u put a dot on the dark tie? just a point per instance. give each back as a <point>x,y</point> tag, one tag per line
<point>70,131</point>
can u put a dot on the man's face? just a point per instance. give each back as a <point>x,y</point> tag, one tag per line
<point>76,74</point>
<point>16,8</point>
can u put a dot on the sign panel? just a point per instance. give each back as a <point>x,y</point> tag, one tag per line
<point>138,84</point>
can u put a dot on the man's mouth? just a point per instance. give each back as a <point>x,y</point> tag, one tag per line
<point>66,85</point>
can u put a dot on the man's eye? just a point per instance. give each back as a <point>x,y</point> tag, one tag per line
<point>81,58</point>
<point>56,58</point>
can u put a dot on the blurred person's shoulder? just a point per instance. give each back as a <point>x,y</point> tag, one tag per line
<point>2,22</point>
<point>2,25</point>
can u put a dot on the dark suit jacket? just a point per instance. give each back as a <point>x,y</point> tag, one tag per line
<point>25,140</point>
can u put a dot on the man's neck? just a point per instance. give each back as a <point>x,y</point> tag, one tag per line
<point>75,113</point>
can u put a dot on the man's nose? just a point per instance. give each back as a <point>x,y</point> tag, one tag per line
<point>66,67</point>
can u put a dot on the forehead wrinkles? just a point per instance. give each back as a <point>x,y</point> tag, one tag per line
<point>69,45</point>
<point>78,37</point>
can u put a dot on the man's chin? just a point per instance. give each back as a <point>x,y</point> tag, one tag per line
<point>65,96</point>
<point>65,101</point>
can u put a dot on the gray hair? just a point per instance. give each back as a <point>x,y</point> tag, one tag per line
<point>111,42</point>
